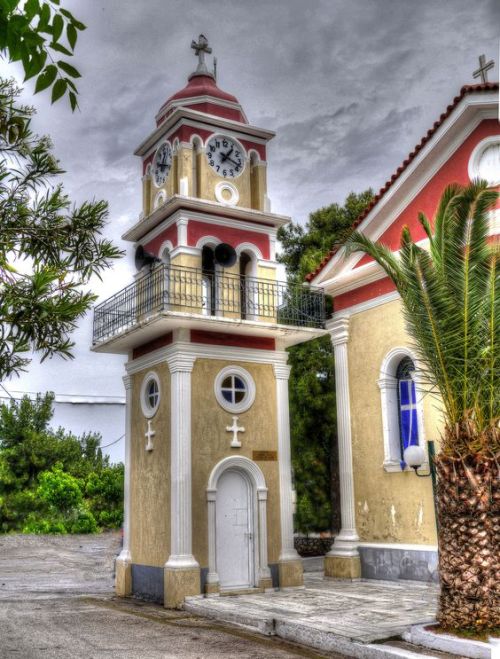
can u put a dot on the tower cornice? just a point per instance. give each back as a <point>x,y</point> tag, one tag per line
<point>181,114</point>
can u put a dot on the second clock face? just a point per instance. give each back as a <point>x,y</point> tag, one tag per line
<point>225,156</point>
<point>162,163</point>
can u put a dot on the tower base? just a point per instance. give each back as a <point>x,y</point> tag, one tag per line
<point>343,567</point>
<point>291,573</point>
<point>123,577</point>
<point>180,583</point>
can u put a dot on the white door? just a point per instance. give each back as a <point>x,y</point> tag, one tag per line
<point>234,531</point>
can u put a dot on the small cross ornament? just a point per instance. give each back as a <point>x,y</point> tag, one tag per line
<point>149,434</point>
<point>200,48</point>
<point>483,69</point>
<point>235,429</point>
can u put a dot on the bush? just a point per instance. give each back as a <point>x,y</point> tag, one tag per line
<point>59,489</point>
<point>84,522</point>
<point>40,526</point>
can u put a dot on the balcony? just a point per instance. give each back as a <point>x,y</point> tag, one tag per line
<point>173,296</point>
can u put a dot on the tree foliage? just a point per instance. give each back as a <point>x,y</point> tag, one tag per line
<point>312,385</point>
<point>42,36</point>
<point>49,249</point>
<point>52,481</point>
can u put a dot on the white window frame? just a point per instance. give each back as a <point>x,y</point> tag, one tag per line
<point>388,385</point>
<point>248,399</point>
<point>477,154</point>
<point>147,410</point>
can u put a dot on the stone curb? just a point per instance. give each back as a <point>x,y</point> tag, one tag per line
<point>304,634</point>
<point>418,635</point>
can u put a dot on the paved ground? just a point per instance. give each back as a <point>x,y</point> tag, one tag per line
<point>56,601</point>
<point>365,611</point>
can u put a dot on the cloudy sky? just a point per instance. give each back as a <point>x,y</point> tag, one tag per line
<point>349,86</point>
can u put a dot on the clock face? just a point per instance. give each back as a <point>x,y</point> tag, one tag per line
<point>162,164</point>
<point>225,156</point>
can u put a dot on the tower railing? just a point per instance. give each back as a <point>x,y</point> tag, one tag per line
<point>167,288</point>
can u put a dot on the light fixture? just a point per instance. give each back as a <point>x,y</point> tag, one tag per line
<point>414,457</point>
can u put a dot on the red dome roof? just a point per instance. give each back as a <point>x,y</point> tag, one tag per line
<point>204,86</point>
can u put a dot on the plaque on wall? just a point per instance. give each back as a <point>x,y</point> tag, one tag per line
<point>265,456</point>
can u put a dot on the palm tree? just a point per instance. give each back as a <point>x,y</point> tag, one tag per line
<point>452,314</point>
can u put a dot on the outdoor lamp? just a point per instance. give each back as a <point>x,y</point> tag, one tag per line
<point>414,456</point>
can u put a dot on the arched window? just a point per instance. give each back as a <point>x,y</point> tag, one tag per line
<point>208,281</point>
<point>196,163</point>
<point>407,404</point>
<point>401,402</point>
<point>255,188</point>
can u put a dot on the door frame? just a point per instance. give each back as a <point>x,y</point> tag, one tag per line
<point>255,477</point>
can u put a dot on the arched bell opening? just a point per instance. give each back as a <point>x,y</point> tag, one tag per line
<point>209,269</point>
<point>196,168</point>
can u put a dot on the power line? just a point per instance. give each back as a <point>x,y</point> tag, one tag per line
<point>111,444</point>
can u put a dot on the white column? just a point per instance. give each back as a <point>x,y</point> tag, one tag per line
<point>181,532</point>
<point>346,542</point>
<point>125,554</point>
<point>212,576</point>
<point>264,571</point>
<point>288,551</point>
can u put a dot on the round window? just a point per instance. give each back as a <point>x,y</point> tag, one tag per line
<point>234,389</point>
<point>484,162</point>
<point>150,394</point>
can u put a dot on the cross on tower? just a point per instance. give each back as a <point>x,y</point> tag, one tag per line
<point>483,69</point>
<point>235,429</point>
<point>200,48</point>
<point>149,434</point>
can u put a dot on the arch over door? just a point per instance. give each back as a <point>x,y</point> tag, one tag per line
<point>235,530</point>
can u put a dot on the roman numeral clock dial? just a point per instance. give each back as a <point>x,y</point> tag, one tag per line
<point>162,163</point>
<point>225,156</point>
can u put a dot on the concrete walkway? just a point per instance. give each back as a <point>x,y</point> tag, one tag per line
<point>329,614</point>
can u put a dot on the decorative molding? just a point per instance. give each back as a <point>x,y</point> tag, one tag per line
<point>396,545</point>
<point>224,186</point>
<point>191,251</point>
<point>166,245</point>
<point>253,249</point>
<point>125,555</point>
<point>182,224</point>
<point>475,159</point>
<point>235,429</point>
<point>206,351</point>
<point>364,306</point>
<point>179,362</point>
<point>339,330</point>
<point>282,371</point>
<point>149,434</point>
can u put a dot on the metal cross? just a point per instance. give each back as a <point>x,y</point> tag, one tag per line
<point>149,434</point>
<point>235,429</point>
<point>200,49</point>
<point>483,69</point>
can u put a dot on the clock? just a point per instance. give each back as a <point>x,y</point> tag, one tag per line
<point>225,156</point>
<point>162,164</point>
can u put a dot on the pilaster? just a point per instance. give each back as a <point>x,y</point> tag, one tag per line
<point>123,581</point>
<point>182,572</point>
<point>343,559</point>
<point>290,564</point>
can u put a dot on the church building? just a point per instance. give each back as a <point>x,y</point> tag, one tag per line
<point>205,326</point>
<point>387,510</point>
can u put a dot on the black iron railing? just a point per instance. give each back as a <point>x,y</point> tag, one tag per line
<point>191,290</point>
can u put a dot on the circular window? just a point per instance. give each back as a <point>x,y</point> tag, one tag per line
<point>234,389</point>
<point>226,193</point>
<point>484,162</point>
<point>150,394</point>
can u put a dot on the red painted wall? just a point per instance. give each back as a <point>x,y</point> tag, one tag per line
<point>455,170</point>
<point>225,339</point>
<point>154,245</point>
<point>160,342</point>
<point>234,237</point>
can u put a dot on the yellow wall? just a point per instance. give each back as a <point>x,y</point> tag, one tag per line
<point>251,184</point>
<point>150,476</point>
<point>211,444</point>
<point>390,507</point>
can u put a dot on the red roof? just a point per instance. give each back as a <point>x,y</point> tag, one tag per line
<point>198,85</point>
<point>466,89</point>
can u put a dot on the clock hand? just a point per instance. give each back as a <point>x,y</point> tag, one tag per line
<point>236,164</point>
<point>225,156</point>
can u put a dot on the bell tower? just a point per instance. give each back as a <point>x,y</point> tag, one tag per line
<point>205,325</point>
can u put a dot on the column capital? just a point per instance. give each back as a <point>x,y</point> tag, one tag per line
<point>339,331</point>
<point>127,381</point>
<point>180,363</point>
<point>282,371</point>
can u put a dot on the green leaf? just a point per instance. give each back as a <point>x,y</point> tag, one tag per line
<point>58,89</point>
<point>73,101</point>
<point>60,48</point>
<point>72,35</point>
<point>57,27</point>
<point>70,70</point>
<point>31,8</point>
<point>46,78</point>
<point>37,64</point>
<point>44,17</point>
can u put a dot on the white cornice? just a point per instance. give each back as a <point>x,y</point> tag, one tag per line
<point>195,100</point>
<point>447,139</point>
<point>207,211</point>
<point>192,351</point>
<point>364,306</point>
<point>184,116</point>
